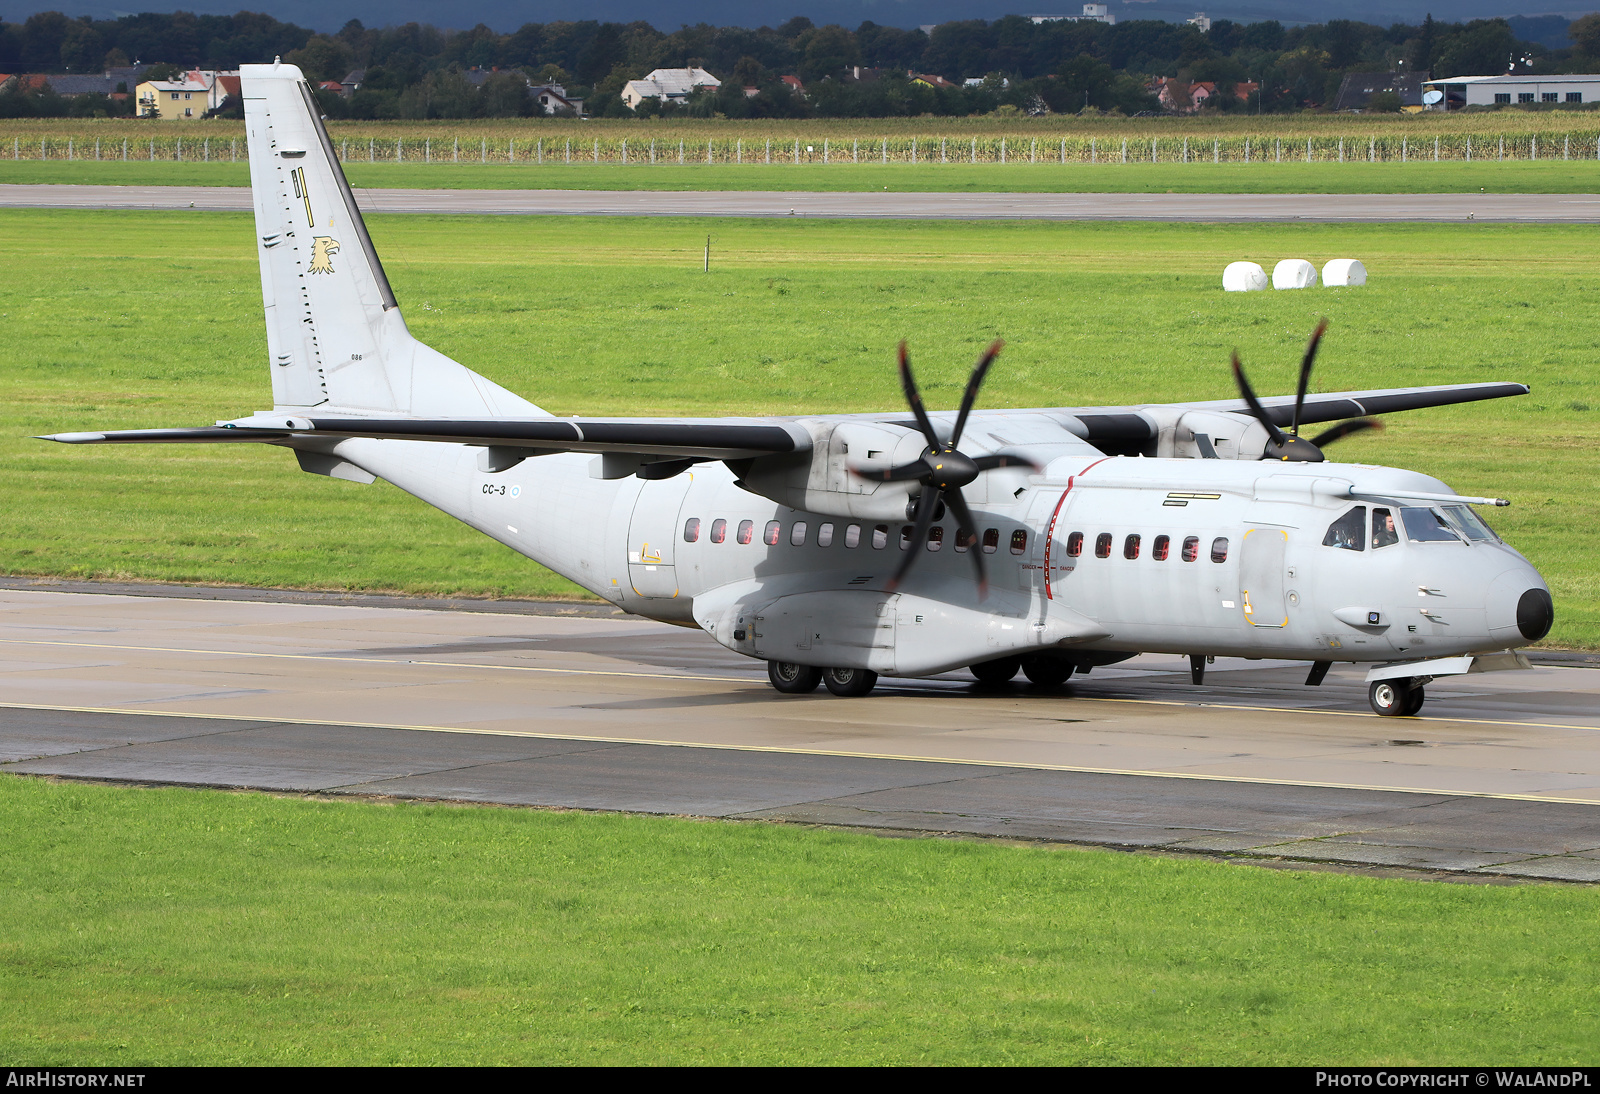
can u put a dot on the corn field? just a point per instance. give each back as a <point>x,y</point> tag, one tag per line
<point>1075,149</point>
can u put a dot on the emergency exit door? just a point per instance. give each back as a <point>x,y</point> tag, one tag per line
<point>1261,576</point>
<point>653,534</point>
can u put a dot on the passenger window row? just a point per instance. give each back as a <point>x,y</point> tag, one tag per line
<point>989,542</point>
<point>1160,547</point>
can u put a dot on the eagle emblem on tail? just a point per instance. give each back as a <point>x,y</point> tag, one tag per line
<point>323,248</point>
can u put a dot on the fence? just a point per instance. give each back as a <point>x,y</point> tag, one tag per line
<point>881,150</point>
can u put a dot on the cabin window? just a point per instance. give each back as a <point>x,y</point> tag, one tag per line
<point>1130,547</point>
<point>691,530</point>
<point>1019,541</point>
<point>880,536</point>
<point>936,537</point>
<point>852,535</point>
<point>797,534</point>
<point>964,539</point>
<point>1384,532</point>
<point>719,530</point>
<point>1426,526</point>
<point>747,531</point>
<point>905,536</point>
<point>1191,548</point>
<point>1161,548</point>
<point>825,535</point>
<point>769,535</point>
<point>1219,549</point>
<point>991,540</point>
<point>1102,545</point>
<point>1075,545</point>
<point>1348,531</point>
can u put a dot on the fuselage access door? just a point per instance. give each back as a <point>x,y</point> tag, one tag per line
<point>653,537</point>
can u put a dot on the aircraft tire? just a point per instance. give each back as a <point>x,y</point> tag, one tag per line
<point>792,679</point>
<point>1047,672</point>
<point>996,673</point>
<point>1414,701</point>
<point>1391,698</point>
<point>849,683</point>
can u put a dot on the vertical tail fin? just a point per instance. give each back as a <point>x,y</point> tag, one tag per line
<point>335,334</point>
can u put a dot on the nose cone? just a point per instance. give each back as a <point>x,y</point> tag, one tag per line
<point>952,470</point>
<point>1535,614</point>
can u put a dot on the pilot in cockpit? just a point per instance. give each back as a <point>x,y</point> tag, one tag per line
<point>1383,529</point>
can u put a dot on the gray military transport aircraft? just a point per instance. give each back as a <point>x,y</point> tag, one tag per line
<point>1048,541</point>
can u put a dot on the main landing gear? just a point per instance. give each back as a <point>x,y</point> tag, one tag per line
<point>1395,698</point>
<point>792,679</point>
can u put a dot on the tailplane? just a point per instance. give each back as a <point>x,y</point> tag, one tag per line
<point>335,335</point>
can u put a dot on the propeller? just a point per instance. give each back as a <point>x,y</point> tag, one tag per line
<point>1291,446</point>
<point>943,469</point>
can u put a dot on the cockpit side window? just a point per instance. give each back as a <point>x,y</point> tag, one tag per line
<point>1384,532</point>
<point>1424,525</point>
<point>1349,531</point>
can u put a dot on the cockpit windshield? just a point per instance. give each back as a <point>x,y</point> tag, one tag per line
<point>1469,523</point>
<point>1349,531</point>
<point>1427,526</point>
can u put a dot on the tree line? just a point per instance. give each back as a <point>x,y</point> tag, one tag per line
<point>1016,65</point>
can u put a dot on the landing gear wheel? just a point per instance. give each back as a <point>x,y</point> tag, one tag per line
<point>1047,672</point>
<point>993,674</point>
<point>792,679</point>
<point>849,683</point>
<point>1392,698</point>
<point>1414,701</point>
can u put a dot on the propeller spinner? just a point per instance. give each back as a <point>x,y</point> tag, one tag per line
<point>1291,446</point>
<point>943,469</point>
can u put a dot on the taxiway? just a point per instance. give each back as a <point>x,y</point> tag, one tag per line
<point>583,707</point>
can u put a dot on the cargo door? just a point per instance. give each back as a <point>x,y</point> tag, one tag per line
<point>1261,576</point>
<point>653,536</point>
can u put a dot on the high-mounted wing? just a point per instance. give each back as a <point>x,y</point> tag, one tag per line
<point>708,439</point>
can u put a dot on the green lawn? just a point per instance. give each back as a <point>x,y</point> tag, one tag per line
<point>1511,177</point>
<point>123,320</point>
<point>197,927</point>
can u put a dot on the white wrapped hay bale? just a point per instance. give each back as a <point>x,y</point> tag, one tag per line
<point>1343,272</point>
<point>1294,273</point>
<point>1244,277</point>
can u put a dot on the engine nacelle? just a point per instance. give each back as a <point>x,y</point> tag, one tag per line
<point>821,481</point>
<point>1186,434</point>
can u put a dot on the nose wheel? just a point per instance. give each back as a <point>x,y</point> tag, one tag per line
<point>1395,698</point>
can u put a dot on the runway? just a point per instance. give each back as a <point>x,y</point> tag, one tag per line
<point>581,709</point>
<point>1221,208</point>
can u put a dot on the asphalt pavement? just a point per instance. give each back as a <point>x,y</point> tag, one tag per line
<point>1222,208</point>
<point>550,705</point>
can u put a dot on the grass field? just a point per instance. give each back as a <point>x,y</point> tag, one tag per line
<point>1510,177</point>
<point>121,320</point>
<point>198,927</point>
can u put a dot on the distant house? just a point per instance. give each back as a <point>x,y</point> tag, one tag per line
<point>793,83</point>
<point>1358,87</point>
<point>928,79</point>
<point>1187,98</point>
<point>353,81</point>
<point>191,96</point>
<point>553,99</point>
<point>1508,90</point>
<point>669,85</point>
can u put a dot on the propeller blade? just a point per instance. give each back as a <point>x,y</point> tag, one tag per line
<point>1007,459</point>
<point>914,398</point>
<point>958,506</point>
<point>974,382</point>
<point>1305,375</point>
<point>1344,429</point>
<point>927,505</point>
<point>1278,436</point>
<point>918,468</point>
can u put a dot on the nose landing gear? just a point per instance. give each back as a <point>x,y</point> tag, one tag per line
<point>1395,698</point>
